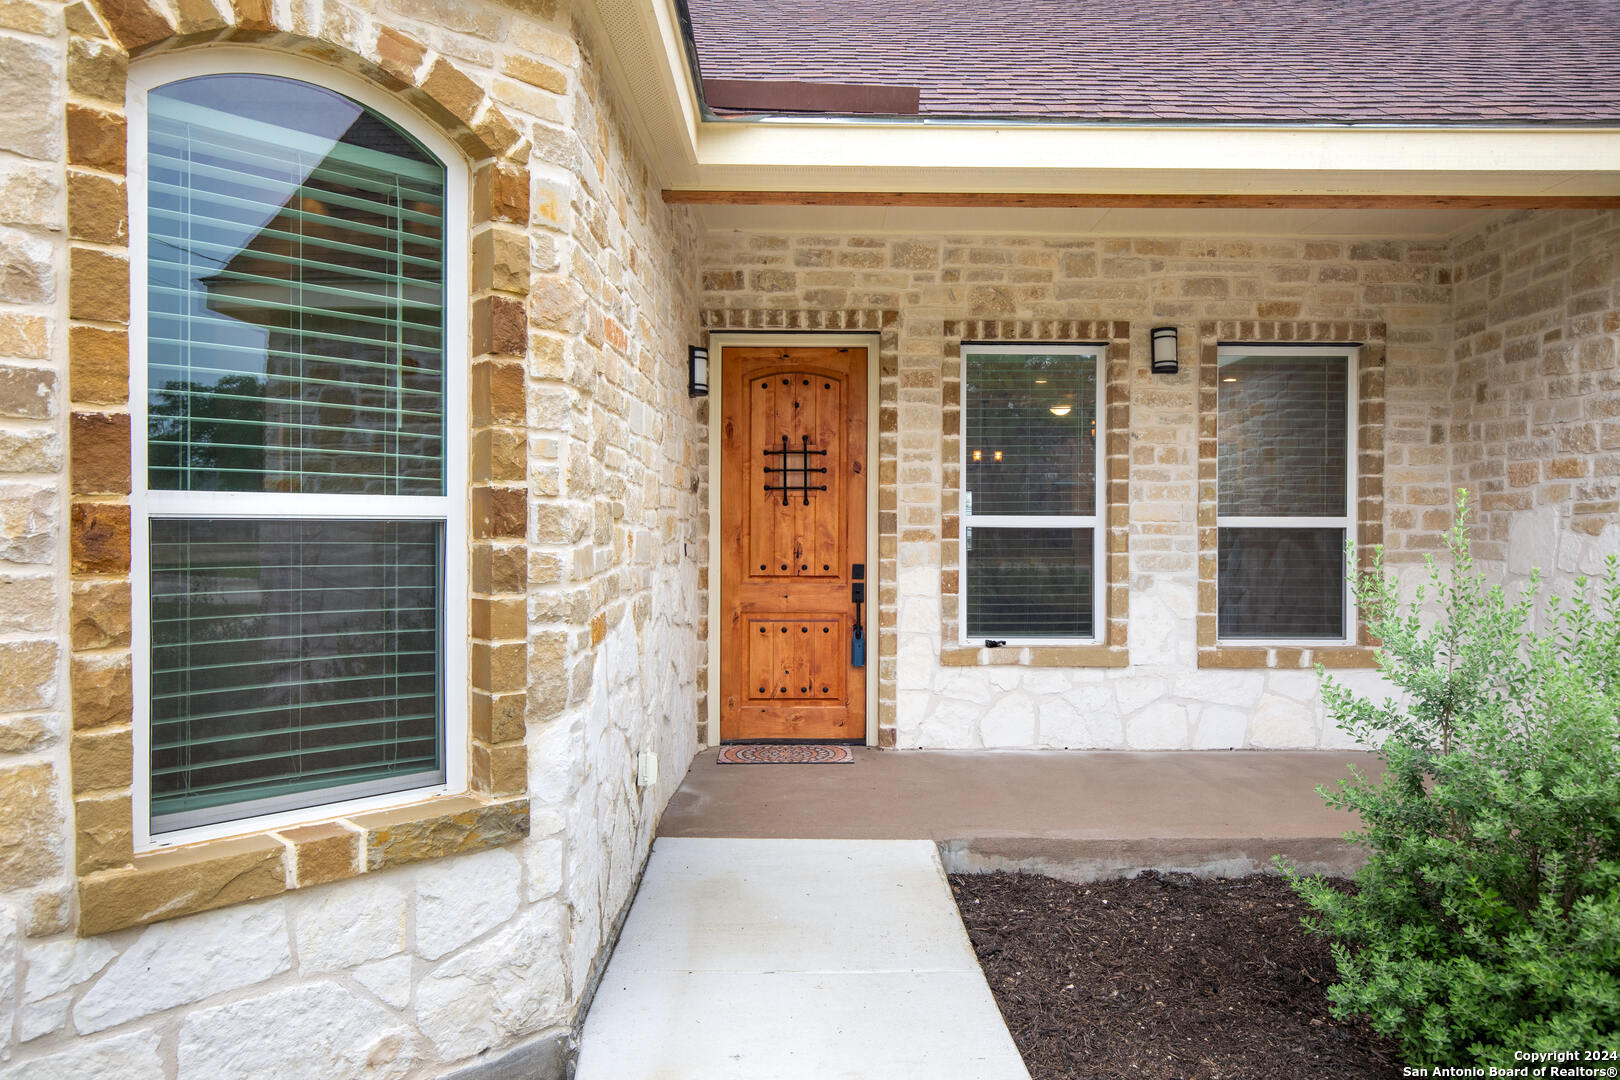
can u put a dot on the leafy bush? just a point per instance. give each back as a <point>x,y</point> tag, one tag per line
<point>1487,919</point>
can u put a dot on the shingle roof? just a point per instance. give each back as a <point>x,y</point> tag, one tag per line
<point>1358,61</point>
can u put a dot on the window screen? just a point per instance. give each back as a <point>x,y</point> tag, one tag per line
<point>296,362</point>
<point>1030,498</point>
<point>1283,460</point>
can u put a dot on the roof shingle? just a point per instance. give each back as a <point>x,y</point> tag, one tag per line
<point>1310,61</point>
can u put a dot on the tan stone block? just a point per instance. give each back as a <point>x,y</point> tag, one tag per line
<point>102,690</point>
<point>399,54</point>
<point>448,88</point>
<point>29,849</point>
<point>503,769</point>
<point>51,912</point>
<point>81,20</point>
<point>95,138</point>
<point>29,196</point>
<point>103,759</point>
<point>499,513</point>
<point>499,568</point>
<point>27,393</point>
<point>99,451</point>
<point>501,193</point>
<point>29,450</point>
<point>197,17</point>
<point>496,131</point>
<point>498,394</point>
<point>501,668</point>
<point>26,273</point>
<point>536,73</point>
<point>98,287</point>
<point>97,70</point>
<point>98,366</point>
<point>500,326</point>
<point>22,734</point>
<point>28,17</point>
<point>500,454</point>
<point>134,23</point>
<point>99,538</point>
<point>27,675</point>
<point>25,337</point>
<point>322,853</point>
<point>254,15</point>
<point>30,97</point>
<point>440,827</point>
<point>98,209</point>
<point>497,619</point>
<point>1233,658</point>
<point>1345,658</point>
<point>497,718</point>
<point>182,881</point>
<point>103,832</point>
<point>99,613</point>
<point>501,260</point>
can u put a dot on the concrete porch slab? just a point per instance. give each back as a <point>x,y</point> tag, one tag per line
<point>1079,815</point>
<point>795,960</point>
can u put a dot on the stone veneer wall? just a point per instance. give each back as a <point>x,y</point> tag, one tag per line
<point>586,527</point>
<point>1534,421</point>
<point>941,285</point>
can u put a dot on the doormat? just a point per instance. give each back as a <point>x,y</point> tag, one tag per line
<point>777,754</point>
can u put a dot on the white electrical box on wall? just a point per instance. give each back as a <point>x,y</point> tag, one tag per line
<point>646,768</point>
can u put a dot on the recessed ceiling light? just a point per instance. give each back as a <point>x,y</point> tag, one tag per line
<point>1061,410</point>
<point>1040,382</point>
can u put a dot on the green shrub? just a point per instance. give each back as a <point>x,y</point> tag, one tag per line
<point>1487,919</point>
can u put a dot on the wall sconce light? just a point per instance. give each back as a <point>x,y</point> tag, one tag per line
<point>697,371</point>
<point>1163,360</point>
<point>1061,410</point>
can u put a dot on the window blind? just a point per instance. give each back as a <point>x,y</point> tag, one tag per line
<point>1282,468</point>
<point>1281,583</point>
<point>296,345</point>
<point>1031,434</point>
<point>293,662</point>
<point>295,294</point>
<point>1029,583</point>
<point>1282,424</point>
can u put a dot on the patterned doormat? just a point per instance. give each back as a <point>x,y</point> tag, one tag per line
<point>773,754</point>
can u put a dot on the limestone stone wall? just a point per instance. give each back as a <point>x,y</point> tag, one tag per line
<point>586,525</point>
<point>1389,291</point>
<point>1535,407</point>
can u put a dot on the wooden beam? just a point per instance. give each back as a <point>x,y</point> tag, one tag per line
<point>1081,200</point>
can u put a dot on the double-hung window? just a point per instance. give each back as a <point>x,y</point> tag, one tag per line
<point>1032,491</point>
<point>299,432</point>
<point>1286,451</point>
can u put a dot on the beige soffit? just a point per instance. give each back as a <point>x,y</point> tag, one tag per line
<point>647,62</point>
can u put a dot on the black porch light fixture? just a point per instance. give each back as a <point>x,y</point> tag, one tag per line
<point>1163,359</point>
<point>697,371</point>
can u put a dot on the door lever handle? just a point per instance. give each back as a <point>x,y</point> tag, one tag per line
<point>857,639</point>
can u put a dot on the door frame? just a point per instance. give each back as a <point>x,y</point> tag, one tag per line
<point>718,344</point>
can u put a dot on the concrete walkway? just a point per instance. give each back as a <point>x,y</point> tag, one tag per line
<point>787,959</point>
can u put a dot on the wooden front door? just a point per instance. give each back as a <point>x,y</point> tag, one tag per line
<point>793,541</point>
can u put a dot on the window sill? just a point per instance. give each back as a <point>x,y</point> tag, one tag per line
<point>1056,656</point>
<point>211,874</point>
<point>1288,657</point>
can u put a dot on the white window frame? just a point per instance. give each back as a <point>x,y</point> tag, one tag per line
<point>1095,521</point>
<point>1352,359</point>
<point>451,508</point>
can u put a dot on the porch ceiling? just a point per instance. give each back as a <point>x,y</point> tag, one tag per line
<point>645,58</point>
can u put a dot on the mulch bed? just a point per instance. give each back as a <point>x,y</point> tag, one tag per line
<point>1164,977</point>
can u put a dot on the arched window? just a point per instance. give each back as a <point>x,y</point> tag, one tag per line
<point>297,373</point>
